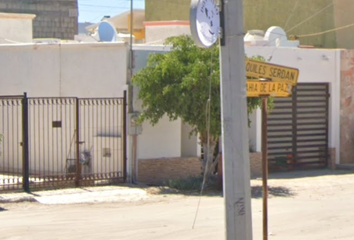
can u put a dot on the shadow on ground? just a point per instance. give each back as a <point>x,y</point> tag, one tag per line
<point>308,173</point>
<point>257,192</point>
<point>2,209</point>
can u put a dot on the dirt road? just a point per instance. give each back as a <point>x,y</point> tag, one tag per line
<point>307,205</point>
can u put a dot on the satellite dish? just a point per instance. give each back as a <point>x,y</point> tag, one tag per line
<point>107,32</point>
<point>274,33</point>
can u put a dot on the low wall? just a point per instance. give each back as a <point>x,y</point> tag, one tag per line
<point>332,158</point>
<point>159,171</point>
<point>256,164</point>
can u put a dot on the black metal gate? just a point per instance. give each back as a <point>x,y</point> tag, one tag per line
<point>11,140</point>
<point>298,129</point>
<point>61,142</point>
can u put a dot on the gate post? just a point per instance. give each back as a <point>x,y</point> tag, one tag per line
<point>125,136</point>
<point>78,166</point>
<point>25,144</point>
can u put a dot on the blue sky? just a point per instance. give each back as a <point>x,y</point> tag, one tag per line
<point>94,10</point>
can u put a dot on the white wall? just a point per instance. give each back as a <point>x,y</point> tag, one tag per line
<point>62,70</point>
<point>165,138</point>
<point>77,70</point>
<point>16,28</point>
<point>160,141</point>
<point>189,143</point>
<point>315,66</point>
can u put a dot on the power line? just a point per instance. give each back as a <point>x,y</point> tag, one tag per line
<point>324,32</point>
<point>291,13</point>
<point>307,19</point>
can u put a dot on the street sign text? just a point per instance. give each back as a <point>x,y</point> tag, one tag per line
<point>263,88</point>
<point>273,72</point>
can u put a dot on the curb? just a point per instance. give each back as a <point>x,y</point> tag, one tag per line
<point>17,199</point>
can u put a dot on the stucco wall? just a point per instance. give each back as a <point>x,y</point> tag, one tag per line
<point>343,16</point>
<point>60,70</point>
<point>261,14</point>
<point>347,107</point>
<point>167,10</point>
<point>80,70</point>
<point>55,18</point>
<point>303,17</point>
<point>167,138</point>
<point>16,28</point>
<point>161,140</point>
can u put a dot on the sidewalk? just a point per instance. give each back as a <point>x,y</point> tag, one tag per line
<point>124,193</point>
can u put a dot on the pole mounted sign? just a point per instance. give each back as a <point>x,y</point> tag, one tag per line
<point>270,80</point>
<point>276,73</point>
<point>263,88</point>
<point>205,22</point>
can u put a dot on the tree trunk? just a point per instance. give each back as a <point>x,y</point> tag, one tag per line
<point>208,157</point>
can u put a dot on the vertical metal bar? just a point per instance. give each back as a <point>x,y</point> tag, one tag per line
<point>45,123</point>
<point>94,140</point>
<point>78,168</point>
<point>49,104</point>
<point>124,136</point>
<point>25,163</point>
<point>110,132</point>
<point>14,144</point>
<point>57,131</point>
<point>294,128</point>
<point>62,134</point>
<point>71,136</point>
<point>52,136</point>
<point>99,126</point>
<point>8,132</point>
<point>84,128</point>
<point>2,132</point>
<point>38,158</point>
<point>265,167</point>
<point>326,123</point>
<point>18,133</point>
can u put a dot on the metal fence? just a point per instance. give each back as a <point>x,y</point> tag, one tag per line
<point>59,142</point>
<point>298,128</point>
<point>11,150</point>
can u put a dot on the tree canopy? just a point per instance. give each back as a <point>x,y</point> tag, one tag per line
<point>178,84</point>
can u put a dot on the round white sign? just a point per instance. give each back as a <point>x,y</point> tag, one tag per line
<point>205,22</point>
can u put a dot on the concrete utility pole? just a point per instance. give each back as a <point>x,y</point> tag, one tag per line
<point>235,124</point>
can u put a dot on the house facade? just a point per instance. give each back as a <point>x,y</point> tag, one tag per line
<point>54,18</point>
<point>295,17</point>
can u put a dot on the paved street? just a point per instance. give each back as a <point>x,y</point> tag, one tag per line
<point>303,205</point>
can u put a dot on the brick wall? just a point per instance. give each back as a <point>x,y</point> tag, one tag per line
<point>256,164</point>
<point>159,171</point>
<point>54,18</point>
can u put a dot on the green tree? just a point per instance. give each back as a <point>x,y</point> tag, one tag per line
<point>178,83</point>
